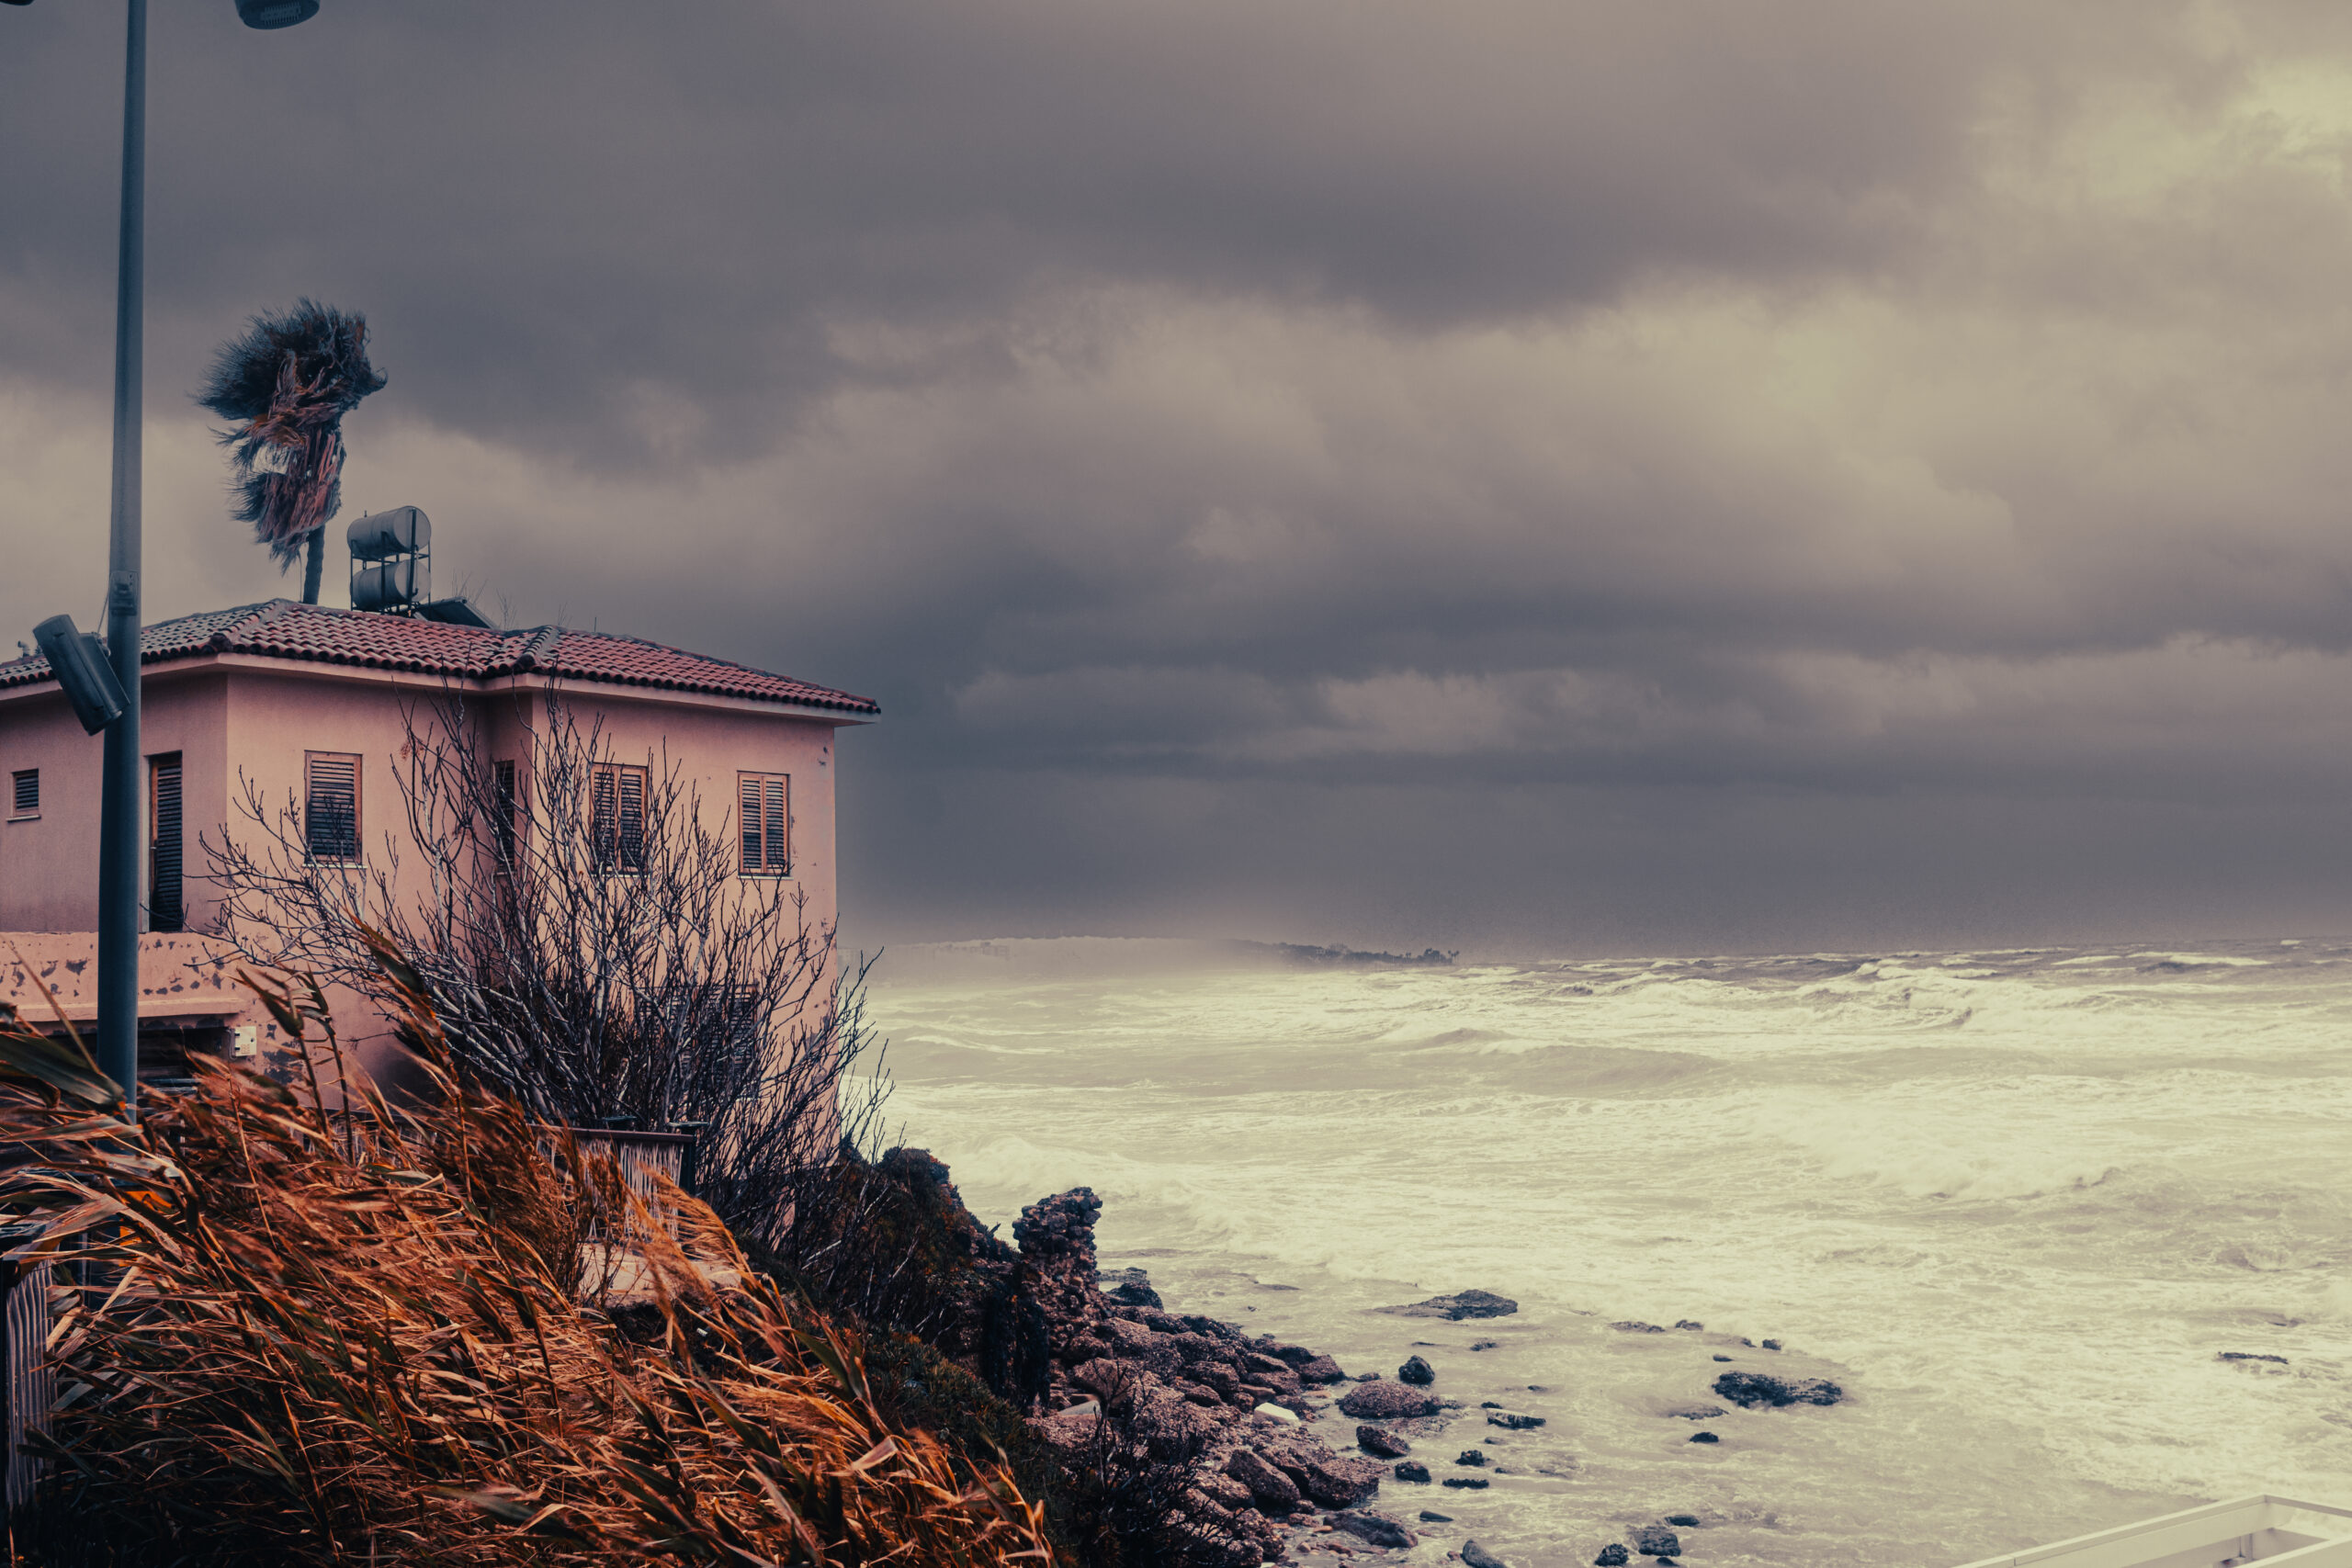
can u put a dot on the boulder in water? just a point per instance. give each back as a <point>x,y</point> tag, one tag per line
<point>1478,1556</point>
<point>1430,1516</point>
<point>1413,1470</point>
<point>1656,1541</point>
<point>1128,1287</point>
<point>1511,1421</point>
<point>1456,1307</point>
<point>1704,1437</point>
<point>1381,1442</point>
<point>1612,1556</point>
<point>1471,1456</point>
<point>1377,1529</point>
<point>1387,1402</point>
<point>1466,1483</point>
<point>1486,1344</point>
<point>1759,1390</point>
<point>1632,1326</point>
<point>1417,1370</point>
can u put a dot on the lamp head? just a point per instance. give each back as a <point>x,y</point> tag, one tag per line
<point>275,13</point>
<point>79,662</point>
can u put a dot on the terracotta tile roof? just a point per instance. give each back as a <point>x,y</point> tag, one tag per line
<point>317,633</point>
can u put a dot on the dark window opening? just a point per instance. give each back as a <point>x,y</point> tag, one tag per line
<point>164,910</point>
<point>506,808</point>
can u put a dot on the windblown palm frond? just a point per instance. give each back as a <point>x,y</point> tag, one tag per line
<point>287,382</point>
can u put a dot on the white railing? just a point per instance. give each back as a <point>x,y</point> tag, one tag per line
<point>2260,1528</point>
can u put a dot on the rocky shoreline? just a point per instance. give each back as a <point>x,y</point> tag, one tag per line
<point>1237,1414</point>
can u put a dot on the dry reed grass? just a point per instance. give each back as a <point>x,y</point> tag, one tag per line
<point>359,1338</point>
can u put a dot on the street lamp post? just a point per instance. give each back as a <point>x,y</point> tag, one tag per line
<point>121,830</point>
<point>119,801</point>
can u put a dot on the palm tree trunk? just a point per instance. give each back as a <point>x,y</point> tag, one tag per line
<point>314,565</point>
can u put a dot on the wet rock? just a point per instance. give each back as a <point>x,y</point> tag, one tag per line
<point>1693,1412</point>
<point>1633,1326</point>
<point>1704,1437</point>
<point>1478,1556</point>
<point>1417,1370</point>
<point>1471,1456</point>
<point>1330,1480</point>
<point>1486,1344</point>
<point>1656,1541</point>
<point>1683,1521</point>
<point>1381,1442</point>
<point>2249,1356</point>
<point>1722,1357</point>
<point>1320,1370</point>
<point>1612,1556</point>
<point>1772,1344</point>
<point>1273,1490</point>
<point>1464,1304</point>
<point>1387,1402</point>
<point>1128,1287</point>
<point>1413,1470</point>
<point>1377,1529</point>
<point>1466,1483</point>
<point>1431,1517</point>
<point>1070,1431</point>
<point>1691,1323</point>
<point>1289,1355</point>
<point>1757,1390</point>
<point>1511,1421</point>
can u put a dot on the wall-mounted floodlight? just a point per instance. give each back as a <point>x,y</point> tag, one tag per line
<point>79,661</point>
<point>275,13</point>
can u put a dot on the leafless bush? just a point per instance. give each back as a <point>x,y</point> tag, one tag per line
<point>587,943</point>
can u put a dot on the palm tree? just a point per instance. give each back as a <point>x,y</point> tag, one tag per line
<point>288,380</point>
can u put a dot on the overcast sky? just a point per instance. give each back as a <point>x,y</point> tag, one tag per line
<point>1510,476</point>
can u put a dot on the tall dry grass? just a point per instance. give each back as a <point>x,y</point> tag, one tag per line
<point>380,1336</point>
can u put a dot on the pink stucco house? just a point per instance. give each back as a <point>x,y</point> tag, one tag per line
<point>314,704</point>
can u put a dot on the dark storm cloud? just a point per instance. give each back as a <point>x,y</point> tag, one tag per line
<point>1260,450</point>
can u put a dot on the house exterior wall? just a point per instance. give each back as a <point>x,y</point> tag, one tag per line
<point>243,726</point>
<point>48,879</point>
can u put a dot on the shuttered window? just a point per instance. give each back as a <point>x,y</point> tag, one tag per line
<point>330,806</point>
<point>505,808</point>
<point>163,908</point>
<point>27,797</point>
<point>616,816</point>
<point>764,803</point>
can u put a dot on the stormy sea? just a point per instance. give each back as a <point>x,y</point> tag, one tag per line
<point>2072,1229</point>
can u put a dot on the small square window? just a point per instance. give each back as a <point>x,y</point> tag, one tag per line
<point>26,795</point>
<point>765,801</point>
<point>330,806</point>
